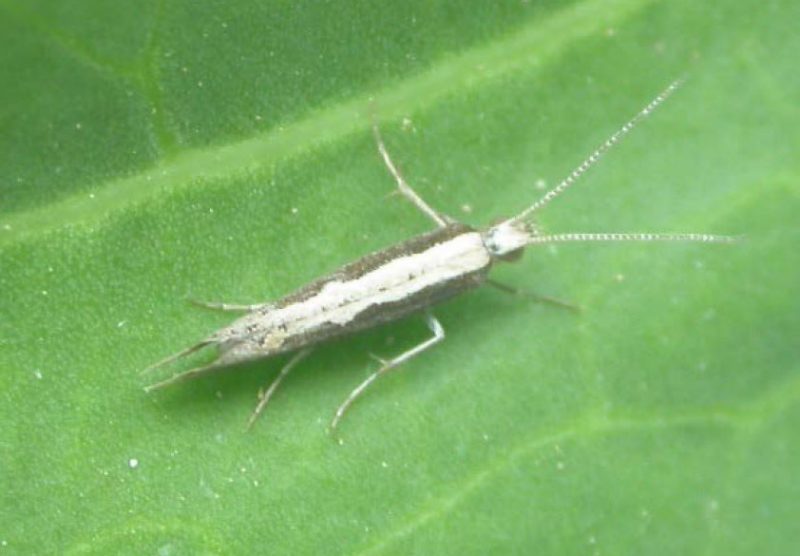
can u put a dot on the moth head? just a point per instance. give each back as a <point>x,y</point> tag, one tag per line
<point>506,240</point>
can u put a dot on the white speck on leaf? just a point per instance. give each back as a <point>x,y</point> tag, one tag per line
<point>133,463</point>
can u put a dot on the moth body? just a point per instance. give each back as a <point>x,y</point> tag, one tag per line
<point>378,288</point>
<point>403,279</point>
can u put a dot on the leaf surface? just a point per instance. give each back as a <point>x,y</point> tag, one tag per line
<point>169,150</point>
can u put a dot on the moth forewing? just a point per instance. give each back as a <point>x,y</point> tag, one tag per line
<point>392,283</point>
<point>380,287</point>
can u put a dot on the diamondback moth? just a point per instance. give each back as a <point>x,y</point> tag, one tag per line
<point>389,284</point>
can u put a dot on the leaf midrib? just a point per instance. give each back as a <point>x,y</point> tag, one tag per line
<point>535,45</point>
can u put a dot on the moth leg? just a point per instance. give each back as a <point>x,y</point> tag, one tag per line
<point>404,189</point>
<point>535,296</point>
<point>386,366</point>
<point>264,397</point>
<point>217,306</point>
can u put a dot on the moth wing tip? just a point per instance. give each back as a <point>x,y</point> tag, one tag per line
<point>178,355</point>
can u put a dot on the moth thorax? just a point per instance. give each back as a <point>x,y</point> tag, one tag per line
<point>506,240</point>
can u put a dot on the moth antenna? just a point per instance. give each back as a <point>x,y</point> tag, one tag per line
<point>599,152</point>
<point>645,236</point>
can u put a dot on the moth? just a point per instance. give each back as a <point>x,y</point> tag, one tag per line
<point>390,284</point>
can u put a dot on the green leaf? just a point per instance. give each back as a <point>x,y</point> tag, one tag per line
<point>160,151</point>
